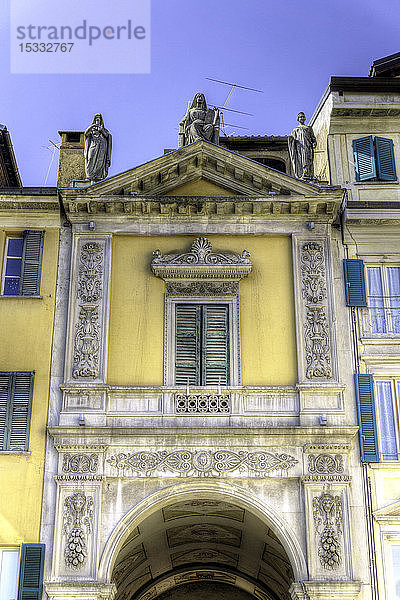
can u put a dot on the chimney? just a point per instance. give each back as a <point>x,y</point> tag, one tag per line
<point>71,165</point>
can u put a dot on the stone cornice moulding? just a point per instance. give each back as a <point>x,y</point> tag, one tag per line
<point>63,435</point>
<point>201,263</point>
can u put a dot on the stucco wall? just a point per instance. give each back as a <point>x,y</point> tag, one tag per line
<point>268,351</point>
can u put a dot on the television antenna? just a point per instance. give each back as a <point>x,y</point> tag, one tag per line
<point>222,108</point>
<point>53,149</point>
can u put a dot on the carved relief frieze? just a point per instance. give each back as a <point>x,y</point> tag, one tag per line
<point>88,310</point>
<point>80,463</point>
<point>321,464</point>
<point>317,339</point>
<point>77,525</point>
<point>202,288</point>
<point>328,521</point>
<point>86,349</point>
<point>90,272</point>
<point>201,462</point>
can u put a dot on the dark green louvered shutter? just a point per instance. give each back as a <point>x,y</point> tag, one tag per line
<point>385,165</point>
<point>30,585</point>
<point>354,279</point>
<point>187,344</point>
<point>364,158</point>
<point>5,397</point>
<point>20,412</point>
<point>215,355</point>
<point>367,418</point>
<point>31,263</point>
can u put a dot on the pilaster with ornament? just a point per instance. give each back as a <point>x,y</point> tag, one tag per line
<point>314,305</point>
<point>88,309</point>
<point>79,481</point>
<point>326,484</point>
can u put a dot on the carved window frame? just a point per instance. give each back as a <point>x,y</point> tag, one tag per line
<point>388,540</point>
<point>201,276</point>
<point>170,329</point>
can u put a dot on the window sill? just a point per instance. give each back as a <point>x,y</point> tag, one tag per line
<point>377,182</point>
<point>23,297</point>
<point>19,452</point>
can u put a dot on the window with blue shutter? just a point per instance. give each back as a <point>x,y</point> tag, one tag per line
<point>354,279</point>
<point>202,344</point>
<point>366,418</point>
<point>23,264</point>
<point>385,167</point>
<point>374,159</point>
<point>31,572</point>
<point>15,410</point>
<point>364,158</point>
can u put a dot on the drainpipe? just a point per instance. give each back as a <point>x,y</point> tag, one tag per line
<point>366,480</point>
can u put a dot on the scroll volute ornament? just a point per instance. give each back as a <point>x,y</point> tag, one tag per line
<point>201,263</point>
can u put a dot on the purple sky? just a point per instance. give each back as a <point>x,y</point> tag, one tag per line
<point>287,48</point>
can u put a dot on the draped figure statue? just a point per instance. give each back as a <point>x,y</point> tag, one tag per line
<point>98,143</point>
<point>199,123</point>
<point>301,149</point>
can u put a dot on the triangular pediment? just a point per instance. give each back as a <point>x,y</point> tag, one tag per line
<point>391,512</point>
<point>203,169</point>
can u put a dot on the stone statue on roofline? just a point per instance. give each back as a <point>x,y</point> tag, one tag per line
<point>301,149</point>
<point>199,123</point>
<point>98,143</point>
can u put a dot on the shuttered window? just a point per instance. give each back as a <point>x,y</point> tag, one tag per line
<point>354,282</point>
<point>31,572</point>
<point>374,159</point>
<point>202,344</point>
<point>15,410</point>
<point>367,418</point>
<point>23,264</point>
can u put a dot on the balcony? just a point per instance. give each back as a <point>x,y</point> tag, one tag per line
<point>381,318</point>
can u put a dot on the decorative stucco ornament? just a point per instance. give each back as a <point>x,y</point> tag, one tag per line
<point>316,330</point>
<point>301,149</point>
<point>328,515</point>
<point>202,462</point>
<point>78,522</point>
<point>199,123</point>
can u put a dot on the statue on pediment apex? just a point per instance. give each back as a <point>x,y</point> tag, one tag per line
<point>199,123</point>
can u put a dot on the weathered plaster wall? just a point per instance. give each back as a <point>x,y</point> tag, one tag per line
<point>267,329</point>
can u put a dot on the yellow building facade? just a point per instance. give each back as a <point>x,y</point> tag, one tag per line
<point>29,238</point>
<point>357,126</point>
<point>202,432</point>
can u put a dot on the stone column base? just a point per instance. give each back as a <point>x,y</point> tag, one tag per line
<point>80,590</point>
<point>325,590</point>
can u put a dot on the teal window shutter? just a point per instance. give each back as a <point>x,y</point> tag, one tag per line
<point>187,344</point>
<point>354,279</point>
<point>31,263</point>
<point>15,410</point>
<point>30,585</point>
<point>20,411</point>
<point>215,343</point>
<point>367,418</point>
<point>385,165</point>
<point>5,396</point>
<point>364,158</point>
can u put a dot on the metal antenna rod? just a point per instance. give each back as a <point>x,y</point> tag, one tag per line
<point>235,85</point>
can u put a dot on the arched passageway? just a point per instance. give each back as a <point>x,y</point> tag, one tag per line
<point>202,547</point>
